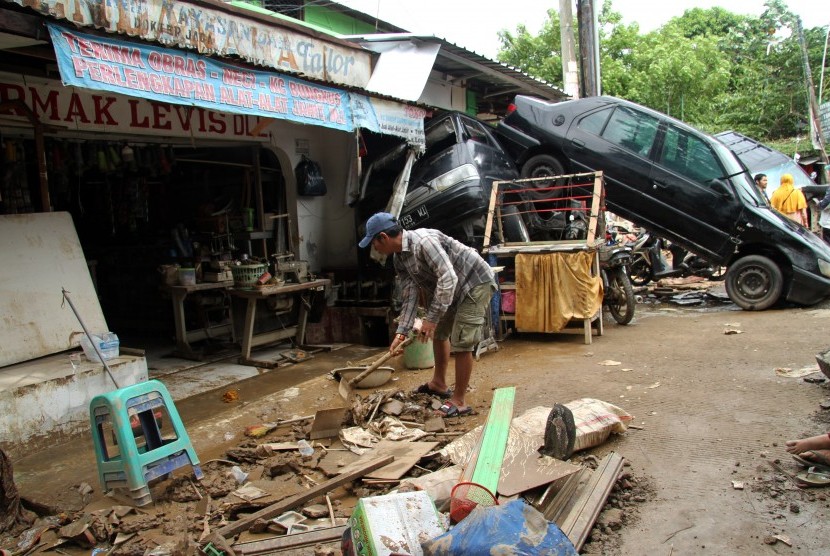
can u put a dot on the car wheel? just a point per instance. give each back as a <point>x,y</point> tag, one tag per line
<point>754,283</point>
<point>540,166</point>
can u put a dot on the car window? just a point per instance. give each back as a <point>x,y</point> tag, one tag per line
<point>689,155</point>
<point>475,131</point>
<point>593,123</point>
<point>439,137</point>
<point>631,130</point>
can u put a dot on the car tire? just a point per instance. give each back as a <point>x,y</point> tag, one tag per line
<point>540,166</point>
<point>754,283</point>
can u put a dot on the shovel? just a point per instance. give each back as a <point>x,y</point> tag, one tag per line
<point>345,387</point>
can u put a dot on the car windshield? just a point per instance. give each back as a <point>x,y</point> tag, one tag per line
<point>774,173</point>
<point>740,176</point>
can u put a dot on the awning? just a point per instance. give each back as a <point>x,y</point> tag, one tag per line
<point>403,68</point>
<point>180,77</point>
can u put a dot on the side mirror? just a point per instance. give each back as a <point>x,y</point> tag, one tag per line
<point>719,187</point>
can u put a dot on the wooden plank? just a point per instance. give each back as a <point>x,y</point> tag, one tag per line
<point>596,205</point>
<point>494,439</point>
<point>488,227</point>
<point>579,521</point>
<point>552,509</point>
<point>284,505</point>
<point>285,542</point>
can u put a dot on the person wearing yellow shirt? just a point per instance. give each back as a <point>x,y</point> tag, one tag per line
<point>790,201</point>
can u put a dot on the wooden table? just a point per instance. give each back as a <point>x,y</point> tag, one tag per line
<point>185,336</point>
<point>253,296</point>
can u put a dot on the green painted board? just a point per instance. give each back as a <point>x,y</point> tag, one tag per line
<point>494,439</point>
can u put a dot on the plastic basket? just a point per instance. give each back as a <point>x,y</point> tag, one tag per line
<point>245,275</point>
<point>465,496</point>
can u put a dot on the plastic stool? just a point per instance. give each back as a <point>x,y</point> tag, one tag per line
<point>128,462</point>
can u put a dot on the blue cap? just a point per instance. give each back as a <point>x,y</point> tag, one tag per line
<point>376,224</point>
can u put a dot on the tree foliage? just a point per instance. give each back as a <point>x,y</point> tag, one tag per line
<point>710,67</point>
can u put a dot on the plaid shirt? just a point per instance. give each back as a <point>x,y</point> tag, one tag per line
<point>438,269</point>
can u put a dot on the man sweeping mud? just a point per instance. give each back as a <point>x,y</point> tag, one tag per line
<point>455,286</point>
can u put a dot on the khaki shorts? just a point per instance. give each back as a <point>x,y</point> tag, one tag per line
<point>462,324</point>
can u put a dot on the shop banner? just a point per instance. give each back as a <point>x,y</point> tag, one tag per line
<point>73,109</point>
<point>178,77</point>
<point>390,118</point>
<point>211,31</point>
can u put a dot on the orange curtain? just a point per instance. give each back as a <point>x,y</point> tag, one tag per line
<point>553,288</point>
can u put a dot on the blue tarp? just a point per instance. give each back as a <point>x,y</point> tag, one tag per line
<point>514,529</point>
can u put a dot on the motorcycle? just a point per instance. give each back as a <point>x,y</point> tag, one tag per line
<point>649,264</point>
<point>618,293</point>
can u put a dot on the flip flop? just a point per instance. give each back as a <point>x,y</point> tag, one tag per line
<point>425,389</point>
<point>810,463</point>
<point>812,477</point>
<point>449,409</point>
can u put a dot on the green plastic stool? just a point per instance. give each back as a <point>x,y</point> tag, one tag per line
<point>139,452</point>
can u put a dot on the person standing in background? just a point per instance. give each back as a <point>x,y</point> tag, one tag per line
<point>790,201</point>
<point>824,218</point>
<point>761,181</point>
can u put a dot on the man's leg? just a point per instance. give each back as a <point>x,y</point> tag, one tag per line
<point>463,372</point>
<point>441,351</point>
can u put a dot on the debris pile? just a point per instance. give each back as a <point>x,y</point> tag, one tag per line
<point>316,480</point>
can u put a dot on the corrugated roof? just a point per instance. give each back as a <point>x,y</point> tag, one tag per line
<point>494,82</point>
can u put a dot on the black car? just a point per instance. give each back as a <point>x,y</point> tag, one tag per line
<point>450,183</point>
<point>678,182</point>
<point>761,159</point>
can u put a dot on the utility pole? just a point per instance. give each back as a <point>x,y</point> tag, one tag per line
<point>588,48</point>
<point>570,73</point>
<point>815,120</point>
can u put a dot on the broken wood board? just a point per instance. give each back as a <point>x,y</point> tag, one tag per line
<point>523,467</point>
<point>494,439</point>
<point>581,518</point>
<point>286,542</point>
<point>406,454</point>
<point>294,501</point>
<point>327,423</point>
<point>559,493</point>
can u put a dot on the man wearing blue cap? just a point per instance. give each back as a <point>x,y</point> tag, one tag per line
<point>455,285</point>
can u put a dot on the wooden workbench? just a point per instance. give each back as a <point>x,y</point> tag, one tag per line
<point>253,296</point>
<point>184,336</point>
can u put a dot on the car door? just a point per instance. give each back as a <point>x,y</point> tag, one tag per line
<point>688,184</point>
<point>617,140</point>
<point>485,152</point>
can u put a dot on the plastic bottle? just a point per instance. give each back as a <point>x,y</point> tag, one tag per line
<point>110,345</point>
<point>107,342</point>
<point>305,448</point>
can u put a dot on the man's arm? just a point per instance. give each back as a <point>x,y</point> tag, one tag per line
<point>409,296</point>
<point>825,201</point>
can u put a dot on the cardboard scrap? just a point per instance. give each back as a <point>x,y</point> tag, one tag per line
<point>249,492</point>
<point>327,423</point>
<point>523,467</point>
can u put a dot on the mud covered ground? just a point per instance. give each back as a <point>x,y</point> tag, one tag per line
<point>705,470</point>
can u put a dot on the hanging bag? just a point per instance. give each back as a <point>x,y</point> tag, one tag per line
<point>310,180</point>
